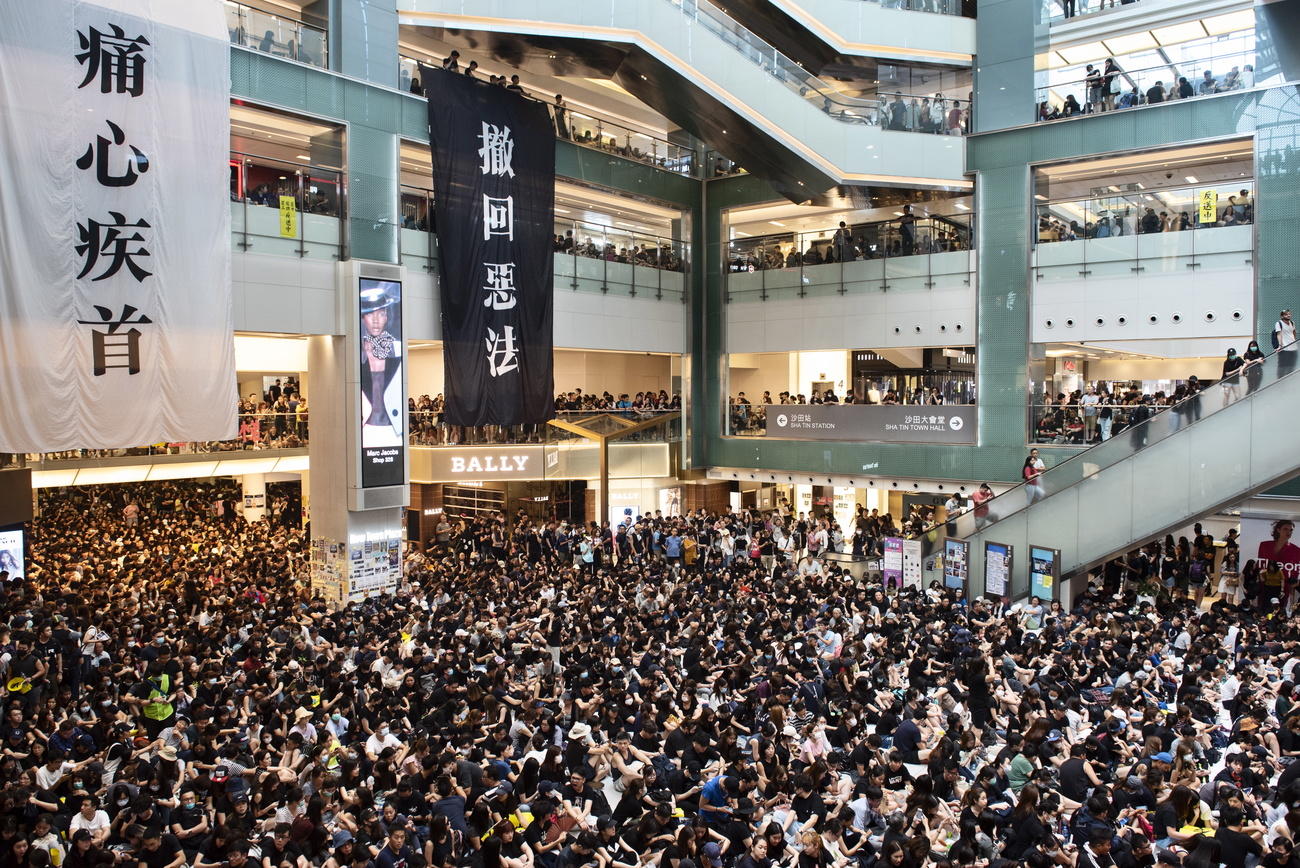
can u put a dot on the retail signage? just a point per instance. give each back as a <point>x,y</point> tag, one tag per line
<point>478,463</point>
<point>494,203</point>
<point>288,217</point>
<point>891,565</point>
<point>997,568</point>
<point>383,383</point>
<point>912,563</point>
<point>956,562</point>
<point>1044,572</point>
<point>116,325</point>
<point>904,423</point>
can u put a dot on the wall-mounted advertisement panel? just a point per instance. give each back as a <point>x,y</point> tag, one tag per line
<point>891,565</point>
<point>1044,572</point>
<point>383,383</point>
<point>997,569</point>
<point>913,563</point>
<point>956,563</point>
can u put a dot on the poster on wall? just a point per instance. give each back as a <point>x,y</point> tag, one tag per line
<point>670,501</point>
<point>891,565</point>
<point>1265,539</point>
<point>997,569</point>
<point>913,564</point>
<point>328,571</point>
<point>1044,572</point>
<point>375,567</point>
<point>956,562</point>
<point>383,383</point>
<point>116,318</point>
<point>13,551</point>
<point>493,155</point>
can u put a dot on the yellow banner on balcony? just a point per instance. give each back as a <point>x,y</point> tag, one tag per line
<point>288,217</point>
<point>1209,206</point>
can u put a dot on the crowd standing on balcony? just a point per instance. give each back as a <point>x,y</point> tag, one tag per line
<point>749,417</point>
<point>649,255</point>
<point>428,427</point>
<point>685,691</point>
<point>937,114</point>
<point>1133,220</point>
<point>1109,87</point>
<point>896,238</point>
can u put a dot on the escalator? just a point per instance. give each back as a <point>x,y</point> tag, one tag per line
<point>711,76</point>
<point>1208,453</point>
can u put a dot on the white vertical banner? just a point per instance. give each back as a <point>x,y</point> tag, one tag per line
<point>115,306</point>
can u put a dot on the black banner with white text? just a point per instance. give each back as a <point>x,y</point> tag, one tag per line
<point>494,200</point>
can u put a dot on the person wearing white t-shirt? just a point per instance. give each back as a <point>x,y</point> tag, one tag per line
<point>380,741</point>
<point>1284,340</point>
<point>93,820</point>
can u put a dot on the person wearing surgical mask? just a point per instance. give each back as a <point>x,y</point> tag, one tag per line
<point>1254,358</point>
<point>380,740</point>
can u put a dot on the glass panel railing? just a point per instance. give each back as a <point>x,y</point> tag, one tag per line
<point>418,245</point>
<point>938,7</point>
<point>257,186</point>
<point>274,34</point>
<point>864,257</point>
<point>581,128</point>
<point>1113,88</point>
<point>1141,433</point>
<point>1205,227</point>
<point>429,429</point>
<point>263,430</point>
<point>946,115</point>
<point>1063,10</point>
<point>593,258</point>
<point>930,391</point>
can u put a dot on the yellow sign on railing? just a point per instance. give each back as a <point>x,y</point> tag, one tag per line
<point>1209,206</point>
<point>288,217</point>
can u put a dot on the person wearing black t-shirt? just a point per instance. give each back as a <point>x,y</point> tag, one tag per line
<point>1236,841</point>
<point>160,850</point>
<point>278,851</point>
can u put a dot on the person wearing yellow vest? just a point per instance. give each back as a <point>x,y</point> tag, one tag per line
<point>153,698</point>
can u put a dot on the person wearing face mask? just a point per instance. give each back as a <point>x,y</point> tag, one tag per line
<point>1253,357</point>
<point>380,740</point>
<point>1232,365</point>
<point>190,825</point>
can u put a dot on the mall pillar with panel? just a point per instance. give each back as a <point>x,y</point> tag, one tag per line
<point>359,455</point>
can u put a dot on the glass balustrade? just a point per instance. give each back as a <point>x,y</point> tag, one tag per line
<point>257,431</point>
<point>943,114</point>
<point>869,257</point>
<point>1116,88</point>
<point>429,429</point>
<point>591,257</point>
<point>1203,227</point>
<point>258,187</point>
<point>583,128</point>
<point>274,34</point>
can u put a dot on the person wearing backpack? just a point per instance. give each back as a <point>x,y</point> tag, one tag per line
<point>1284,342</point>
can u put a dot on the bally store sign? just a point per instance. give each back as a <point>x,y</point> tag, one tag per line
<point>477,463</point>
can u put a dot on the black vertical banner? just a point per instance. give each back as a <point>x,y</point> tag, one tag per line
<point>494,202</point>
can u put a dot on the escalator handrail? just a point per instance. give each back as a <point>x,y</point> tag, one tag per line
<point>1083,454</point>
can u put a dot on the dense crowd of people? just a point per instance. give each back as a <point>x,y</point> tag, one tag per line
<point>656,255</point>
<point>1116,220</point>
<point>1108,87</point>
<point>675,694</point>
<point>429,426</point>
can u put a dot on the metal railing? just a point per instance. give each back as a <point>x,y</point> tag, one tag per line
<point>1123,89</point>
<point>880,112</point>
<point>605,259</point>
<point>581,127</point>
<point>938,7</point>
<point>1066,10</point>
<point>274,34</point>
<point>257,431</point>
<point>750,420</point>
<point>1201,227</point>
<point>427,428</point>
<point>256,186</point>
<point>870,257</point>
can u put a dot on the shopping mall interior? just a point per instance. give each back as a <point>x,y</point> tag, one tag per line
<point>673,433</point>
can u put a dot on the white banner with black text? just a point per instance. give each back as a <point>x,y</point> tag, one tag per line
<point>116,327</point>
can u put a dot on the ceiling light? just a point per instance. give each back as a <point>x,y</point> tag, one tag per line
<point>302,156</point>
<point>1040,197</point>
<point>776,222</point>
<point>898,213</point>
<point>1191,179</point>
<point>1216,25</point>
<point>1176,33</point>
<point>963,206</point>
<point>1085,53</point>
<point>1131,42</point>
<point>561,210</point>
<point>743,234</point>
<point>1114,189</point>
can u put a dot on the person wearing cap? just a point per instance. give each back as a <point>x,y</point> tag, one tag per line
<point>85,853</point>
